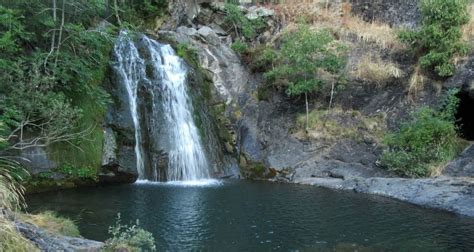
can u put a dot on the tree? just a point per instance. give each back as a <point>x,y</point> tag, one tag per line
<point>307,62</point>
<point>439,39</point>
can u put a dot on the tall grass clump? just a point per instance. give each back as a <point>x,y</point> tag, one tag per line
<point>373,68</point>
<point>11,199</point>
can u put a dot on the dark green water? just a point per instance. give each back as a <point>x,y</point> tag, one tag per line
<point>259,216</point>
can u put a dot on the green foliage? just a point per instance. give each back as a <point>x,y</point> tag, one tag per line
<point>439,38</point>
<point>141,13</point>
<point>429,139</point>
<point>131,237</point>
<point>240,24</point>
<point>303,56</point>
<point>239,47</point>
<point>188,53</point>
<point>261,58</point>
<point>78,172</point>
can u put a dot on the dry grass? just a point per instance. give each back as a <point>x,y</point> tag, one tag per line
<point>12,240</point>
<point>375,32</point>
<point>334,124</point>
<point>51,222</point>
<point>11,191</point>
<point>417,82</point>
<point>468,29</point>
<point>339,19</point>
<point>372,68</point>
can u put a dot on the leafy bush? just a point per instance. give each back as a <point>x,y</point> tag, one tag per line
<point>261,58</point>
<point>427,140</point>
<point>131,237</point>
<point>308,61</point>
<point>78,172</point>
<point>239,47</point>
<point>439,39</point>
<point>240,24</point>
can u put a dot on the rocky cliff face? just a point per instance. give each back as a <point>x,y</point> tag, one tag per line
<point>261,134</point>
<point>264,139</point>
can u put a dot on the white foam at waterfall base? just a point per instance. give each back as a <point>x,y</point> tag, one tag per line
<point>184,183</point>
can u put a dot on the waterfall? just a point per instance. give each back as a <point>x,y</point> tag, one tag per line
<point>130,70</point>
<point>164,122</point>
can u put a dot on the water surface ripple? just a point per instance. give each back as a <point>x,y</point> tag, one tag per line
<point>259,216</point>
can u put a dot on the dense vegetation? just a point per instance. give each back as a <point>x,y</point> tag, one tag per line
<point>426,141</point>
<point>54,59</point>
<point>439,39</point>
<point>308,61</point>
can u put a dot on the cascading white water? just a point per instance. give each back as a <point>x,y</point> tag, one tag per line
<point>165,74</point>
<point>187,159</point>
<point>131,69</point>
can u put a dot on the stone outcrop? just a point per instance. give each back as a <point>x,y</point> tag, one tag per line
<point>264,129</point>
<point>462,166</point>
<point>46,241</point>
<point>401,13</point>
<point>450,194</point>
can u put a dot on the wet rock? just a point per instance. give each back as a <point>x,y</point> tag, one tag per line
<point>36,160</point>
<point>462,166</point>
<point>464,77</point>
<point>450,194</point>
<point>209,35</point>
<point>109,152</point>
<point>46,241</point>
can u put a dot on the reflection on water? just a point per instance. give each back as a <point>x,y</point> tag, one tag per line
<point>256,216</point>
<point>191,183</point>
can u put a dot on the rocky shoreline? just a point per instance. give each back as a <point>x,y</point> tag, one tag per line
<point>46,241</point>
<point>445,193</point>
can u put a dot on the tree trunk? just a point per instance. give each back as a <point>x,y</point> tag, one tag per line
<point>332,94</point>
<point>61,28</point>
<point>53,37</point>
<point>117,13</point>
<point>307,111</point>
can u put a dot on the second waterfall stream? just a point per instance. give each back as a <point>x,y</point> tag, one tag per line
<point>155,79</point>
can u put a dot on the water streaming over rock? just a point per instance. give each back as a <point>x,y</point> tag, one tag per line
<point>162,113</point>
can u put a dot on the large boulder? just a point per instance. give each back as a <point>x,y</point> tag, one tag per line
<point>46,241</point>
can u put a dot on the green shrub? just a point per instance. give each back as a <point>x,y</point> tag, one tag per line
<point>439,39</point>
<point>426,141</point>
<point>130,237</point>
<point>240,24</point>
<point>261,58</point>
<point>239,47</point>
<point>309,61</point>
<point>85,172</point>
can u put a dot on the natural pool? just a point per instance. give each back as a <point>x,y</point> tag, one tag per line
<point>261,216</point>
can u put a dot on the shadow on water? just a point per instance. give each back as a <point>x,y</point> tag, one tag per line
<point>250,216</point>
